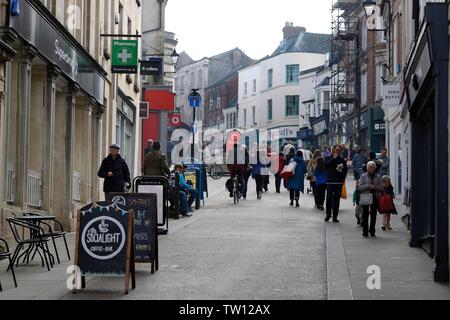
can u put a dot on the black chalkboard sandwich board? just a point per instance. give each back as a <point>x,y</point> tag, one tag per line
<point>105,242</point>
<point>144,207</point>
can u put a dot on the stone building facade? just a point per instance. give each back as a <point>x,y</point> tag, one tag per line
<point>61,106</point>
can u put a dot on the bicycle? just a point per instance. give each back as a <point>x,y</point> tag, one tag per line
<point>216,172</point>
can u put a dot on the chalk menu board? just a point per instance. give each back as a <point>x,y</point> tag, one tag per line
<point>104,244</point>
<point>159,191</point>
<point>144,208</point>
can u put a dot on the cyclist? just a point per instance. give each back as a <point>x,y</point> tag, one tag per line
<point>237,163</point>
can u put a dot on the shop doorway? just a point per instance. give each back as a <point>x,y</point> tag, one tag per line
<point>423,164</point>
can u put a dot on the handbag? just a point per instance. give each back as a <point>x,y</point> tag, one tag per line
<point>366,199</point>
<point>289,171</point>
<point>344,194</point>
<point>385,203</point>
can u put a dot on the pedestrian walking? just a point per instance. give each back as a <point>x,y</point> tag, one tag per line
<point>289,157</point>
<point>385,167</point>
<point>336,175</point>
<point>311,166</point>
<point>325,152</point>
<point>259,170</point>
<point>358,208</point>
<point>281,160</point>
<point>358,162</point>
<point>288,147</point>
<point>155,163</point>
<point>149,148</point>
<point>307,154</point>
<point>320,184</point>
<point>296,184</point>
<point>388,196</point>
<point>266,183</point>
<point>373,157</point>
<point>248,171</point>
<point>345,152</point>
<point>369,187</point>
<point>115,171</point>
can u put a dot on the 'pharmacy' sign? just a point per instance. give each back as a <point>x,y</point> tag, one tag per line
<point>125,56</point>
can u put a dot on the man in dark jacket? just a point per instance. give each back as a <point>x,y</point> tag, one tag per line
<point>149,148</point>
<point>337,173</point>
<point>155,163</point>
<point>115,171</point>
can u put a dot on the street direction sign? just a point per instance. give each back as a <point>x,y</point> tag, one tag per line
<point>125,56</point>
<point>195,100</point>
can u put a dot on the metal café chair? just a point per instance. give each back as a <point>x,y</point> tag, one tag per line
<point>54,234</point>
<point>37,239</point>
<point>6,254</point>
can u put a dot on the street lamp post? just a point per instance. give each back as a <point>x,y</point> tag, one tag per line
<point>194,102</point>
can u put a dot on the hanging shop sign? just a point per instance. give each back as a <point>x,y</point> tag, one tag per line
<point>391,95</point>
<point>320,127</point>
<point>175,120</point>
<point>144,111</point>
<point>125,56</point>
<point>152,67</point>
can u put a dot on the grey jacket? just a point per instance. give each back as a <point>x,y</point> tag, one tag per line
<point>366,182</point>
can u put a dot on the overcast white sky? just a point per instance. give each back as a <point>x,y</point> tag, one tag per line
<point>208,27</point>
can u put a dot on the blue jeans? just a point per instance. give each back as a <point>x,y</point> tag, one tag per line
<point>193,196</point>
<point>185,203</point>
<point>184,207</point>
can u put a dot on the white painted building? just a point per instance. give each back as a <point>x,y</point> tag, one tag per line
<point>193,75</point>
<point>200,74</point>
<point>271,91</point>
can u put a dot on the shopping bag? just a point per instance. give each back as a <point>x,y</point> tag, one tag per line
<point>289,171</point>
<point>385,203</point>
<point>344,192</point>
<point>366,199</point>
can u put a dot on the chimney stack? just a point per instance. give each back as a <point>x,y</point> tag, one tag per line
<point>290,30</point>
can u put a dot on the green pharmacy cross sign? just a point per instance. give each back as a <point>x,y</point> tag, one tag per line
<point>125,56</point>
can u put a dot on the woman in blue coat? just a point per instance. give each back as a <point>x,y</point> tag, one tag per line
<point>297,183</point>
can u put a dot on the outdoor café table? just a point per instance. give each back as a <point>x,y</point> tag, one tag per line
<point>36,220</point>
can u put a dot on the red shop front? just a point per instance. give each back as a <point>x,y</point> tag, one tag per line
<point>155,127</point>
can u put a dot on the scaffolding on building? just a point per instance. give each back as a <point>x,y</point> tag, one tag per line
<point>344,69</point>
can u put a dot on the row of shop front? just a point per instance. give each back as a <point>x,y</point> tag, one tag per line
<point>54,121</point>
<point>322,131</point>
<point>417,133</point>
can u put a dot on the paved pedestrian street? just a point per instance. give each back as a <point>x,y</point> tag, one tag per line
<point>257,250</point>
